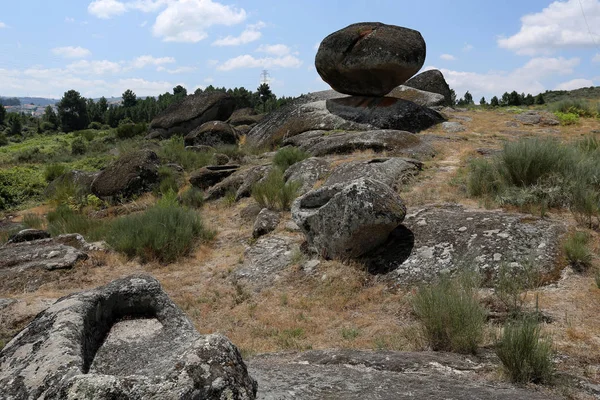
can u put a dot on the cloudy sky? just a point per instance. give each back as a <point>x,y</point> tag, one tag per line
<point>103,47</point>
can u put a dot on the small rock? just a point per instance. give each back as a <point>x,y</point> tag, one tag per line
<point>453,127</point>
<point>27,235</point>
<point>211,175</point>
<point>266,222</point>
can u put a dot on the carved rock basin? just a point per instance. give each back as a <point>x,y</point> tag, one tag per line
<point>123,340</point>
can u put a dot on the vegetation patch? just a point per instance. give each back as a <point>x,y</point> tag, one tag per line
<point>289,156</point>
<point>274,192</point>
<point>577,251</point>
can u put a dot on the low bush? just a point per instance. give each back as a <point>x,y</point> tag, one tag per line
<point>274,192</point>
<point>567,118</point>
<point>164,232</point>
<point>3,139</point>
<point>525,354</point>
<point>192,198</point>
<point>130,130</point>
<point>289,156</point>
<point>512,284</point>
<point>174,151</point>
<point>53,171</point>
<point>47,127</point>
<point>451,316</point>
<point>20,184</point>
<point>577,107</point>
<point>95,125</point>
<point>66,220</point>
<point>577,252</point>
<point>168,181</point>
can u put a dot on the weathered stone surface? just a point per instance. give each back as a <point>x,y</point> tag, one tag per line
<point>250,212</point>
<point>320,143</point>
<point>266,222</point>
<point>382,375</point>
<point>80,180</point>
<point>391,171</point>
<point>453,127</point>
<point>370,58</point>
<point>537,118</point>
<point>431,81</point>
<point>131,174</point>
<point>266,260</point>
<point>420,97</point>
<point>451,236</point>
<point>307,113</point>
<point>62,252</point>
<point>244,116</point>
<point>194,110</point>
<point>213,133</point>
<point>27,235</point>
<point>385,113</point>
<point>241,182</point>
<point>125,340</point>
<point>307,172</point>
<point>348,220</point>
<point>211,175</point>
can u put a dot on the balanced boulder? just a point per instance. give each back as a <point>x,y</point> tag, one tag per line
<point>194,110</point>
<point>370,58</point>
<point>349,219</point>
<point>131,174</point>
<point>431,81</point>
<point>212,133</point>
<point>125,340</point>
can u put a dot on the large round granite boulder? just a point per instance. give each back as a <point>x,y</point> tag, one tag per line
<point>370,58</point>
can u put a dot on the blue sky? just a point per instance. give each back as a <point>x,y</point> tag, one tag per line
<point>104,47</point>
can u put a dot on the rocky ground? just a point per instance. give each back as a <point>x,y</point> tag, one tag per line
<point>268,295</point>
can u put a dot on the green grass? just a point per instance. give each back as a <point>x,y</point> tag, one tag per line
<point>173,151</point>
<point>274,192</point>
<point>192,198</point>
<point>53,171</point>
<point>452,318</point>
<point>567,118</point>
<point>577,252</point>
<point>65,220</point>
<point>164,232</point>
<point>577,107</point>
<point>19,185</point>
<point>525,354</point>
<point>512,284</point>
<point>289,156</point>
<point>33,221</point>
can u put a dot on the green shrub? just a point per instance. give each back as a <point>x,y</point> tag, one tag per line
<point>3,139</point>
<point>130,130</point>
<point>164,232</point>
<point>234,152</point>
<point>66,220</point>
<point>525,354</point>
<point>95,125</point>
<point>174,151</point>
<point>577,107</point>
<point>78,146</point>
<point>168,181</point>
<point>484,179</point>
<point>512,284</point>
<point>53,171</point>
<point>192,198</point>
<point>567,118</point>
<point>451,316</point>
<point>274,192</point>
<point>289,156</point>
<point>20,184</point>
<point>33,221</point>
<point>577,252</point>
<point>47,127</point>
<point>87,134</point>
<point>589,144</point>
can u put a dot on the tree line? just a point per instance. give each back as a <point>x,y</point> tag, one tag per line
<point>507,99</point>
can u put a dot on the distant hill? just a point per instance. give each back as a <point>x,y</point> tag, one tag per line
<point>38,101</point>
<point>590,93</point>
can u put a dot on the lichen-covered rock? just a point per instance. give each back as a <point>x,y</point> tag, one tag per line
<point>321,143</point>
<point>432,81</point>
<point>392,171</point>
<point>27,235</point>
<point>370,58</point>
<point>266,222</point>
<point>241,182</point>
<point>213,133</point>
<point>125,340</point>
<point>131,174</point>
<point>307,173</point>
<point>420,97</point>
<point>211,175</point>
<point>453,127</point>
<point>182,117</point>
<point>348,220</point>
<point>537,118</point>
<point>385,113</point>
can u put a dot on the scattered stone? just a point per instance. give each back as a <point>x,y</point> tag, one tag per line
<point>307,172</point>
<point>370,58</point>
<point>250,212</point>
<point>320,143</point>
<point>131,174</point>
<point>348,220</point>
<point>123,340</point>
<point>266,260</point>
<point>453,127</point>
<point>382,375</point>
<point>80,180</point>
<point>291,226</point>
<point>310,266</point>
<point>512,124</point>
<point>431,81</point>
<point>266,222</point>
<point>211,175</point>
<point>194,110</point>
<point>213,133</point>
<point>391,171</point>
<point>537,118</point>
<point>28,235</point>
<point>420,97</point>
<point>463,118</point>
<point>221,159</point>
<point>385,113</point>
<point>241,182</point>
<point>6,303</point>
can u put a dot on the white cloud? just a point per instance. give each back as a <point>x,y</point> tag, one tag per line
<point>106,8</point>
<point>143,24</point>
<point>527,78</point>
<point>561,25</point>
<point>144,61</point>
<point>3,25</point>
<point>596,58</point>
<point>69,20</point>
<point>575,84</point>
<point>147,5</point>
<point>248,61</point>
<point>208,80</point>
<point>448,57</point>
<point>274,49</point>
<point>187,20</point>
<point>179,70</point>
<point>250,34</point>
<point>72,52</point>
<point>467,47</point>
<point>94,67</point>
